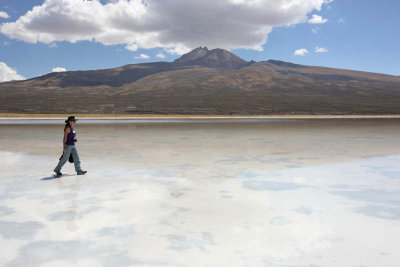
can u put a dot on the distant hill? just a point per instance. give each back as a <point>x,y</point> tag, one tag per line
<point>216,58</point>
<point>206,82</point>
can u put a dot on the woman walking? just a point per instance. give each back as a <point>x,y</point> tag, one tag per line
<point>69,148</point>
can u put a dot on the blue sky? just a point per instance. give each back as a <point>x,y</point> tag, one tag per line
<point>79,35</point>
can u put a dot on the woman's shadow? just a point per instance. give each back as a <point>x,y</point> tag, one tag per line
<point>53,177</point>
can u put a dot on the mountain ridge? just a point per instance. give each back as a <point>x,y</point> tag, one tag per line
<point>215,58</point>
<point>206,82</point>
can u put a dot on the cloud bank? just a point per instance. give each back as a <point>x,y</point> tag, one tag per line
<point>142,56</point>
<point>177,25</point>
<point>4,15</point>
<point>58,69</point>
<point>300,52</point>
<point>8,74</point>
<point>321,49</point>
<point>131,47</point>
<point>315,19</point>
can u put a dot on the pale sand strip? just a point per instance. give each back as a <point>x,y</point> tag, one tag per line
<point>5,116</point>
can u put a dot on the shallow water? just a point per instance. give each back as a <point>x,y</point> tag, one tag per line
<point>202,193</point>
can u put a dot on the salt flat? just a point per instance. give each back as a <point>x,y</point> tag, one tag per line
<point>182,192</point>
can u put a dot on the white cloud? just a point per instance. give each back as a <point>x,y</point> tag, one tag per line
<point>315,19</point>
<point>315,30</point>
<point>131,47</point>
<point>58,69</point>
<point>178,25</point>
<point>142,56</point>
<point>341,20</point>
<point>8,74</point>
<point>179,50</point>
<point>4,15</point>
<point>300,52</point>
<point>160,55</point>
<point>320,49</point>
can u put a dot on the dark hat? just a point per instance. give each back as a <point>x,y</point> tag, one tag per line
<point>71,118</point>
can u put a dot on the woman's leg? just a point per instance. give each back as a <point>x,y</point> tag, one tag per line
<point>63,159</point>
<point>75,156</point>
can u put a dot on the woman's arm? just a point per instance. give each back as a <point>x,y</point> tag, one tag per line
<point>66,132</point>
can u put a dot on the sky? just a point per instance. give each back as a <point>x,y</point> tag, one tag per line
<point>42,36</point>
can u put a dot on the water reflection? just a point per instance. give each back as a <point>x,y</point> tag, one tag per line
<point>248,193</point>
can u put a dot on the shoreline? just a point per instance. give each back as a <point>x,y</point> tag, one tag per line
<point>15,116</point>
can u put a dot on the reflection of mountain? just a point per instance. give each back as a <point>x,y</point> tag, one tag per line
<point>206,82</point>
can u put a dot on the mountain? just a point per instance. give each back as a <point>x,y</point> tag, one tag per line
<point>206,82</point>
<point>216,58</point>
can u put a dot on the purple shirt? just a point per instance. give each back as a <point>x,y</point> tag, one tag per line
<point>70,137</point>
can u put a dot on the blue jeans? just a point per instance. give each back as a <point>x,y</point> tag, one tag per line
<point>65,157</point>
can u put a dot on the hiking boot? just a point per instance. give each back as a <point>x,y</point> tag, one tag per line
<point>81,172</point>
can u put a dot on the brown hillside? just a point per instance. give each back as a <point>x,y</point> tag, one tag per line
<point>206,82</point>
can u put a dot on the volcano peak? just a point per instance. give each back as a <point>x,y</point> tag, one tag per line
<point>215,58</point>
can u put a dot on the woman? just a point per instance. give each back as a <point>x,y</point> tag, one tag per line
<point>69,148</point>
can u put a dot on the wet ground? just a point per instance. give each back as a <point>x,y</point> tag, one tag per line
<point>202,192</point>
